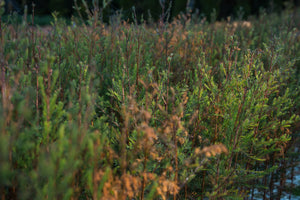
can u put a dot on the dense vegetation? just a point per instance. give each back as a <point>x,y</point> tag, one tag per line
<point>181,110</point>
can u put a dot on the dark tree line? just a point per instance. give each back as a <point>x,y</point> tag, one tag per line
<point>156,8</point>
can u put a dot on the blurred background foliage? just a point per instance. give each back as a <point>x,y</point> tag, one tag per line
<point>154,9</point>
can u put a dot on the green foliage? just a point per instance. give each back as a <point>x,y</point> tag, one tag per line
<point>149,111</point>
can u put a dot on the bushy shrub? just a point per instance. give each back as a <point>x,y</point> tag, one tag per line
<point>156,111</point>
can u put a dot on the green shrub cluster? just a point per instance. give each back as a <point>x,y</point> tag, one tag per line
<point>174,110</point>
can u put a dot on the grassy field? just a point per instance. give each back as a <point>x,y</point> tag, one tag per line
<point>179,110</point>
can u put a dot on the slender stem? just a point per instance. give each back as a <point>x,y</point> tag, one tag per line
<point>185,192</point>
<point>37,96</point>
<point>218,170</point>
<point>1,33</point>
<point>168,65</point>
<point>203,185</point>
<point>79,96</point>
<point>176,159</point>
<point>282,178</point>
<point>144,170</point>
<point>123,143</point>
<point>265,181</point>
<point>271,185</point>
<point>252,190</point>
<point>168,82</point>
<point>138,61</point>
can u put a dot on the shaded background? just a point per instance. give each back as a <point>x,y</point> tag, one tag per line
<point>155,8</point>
